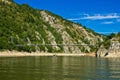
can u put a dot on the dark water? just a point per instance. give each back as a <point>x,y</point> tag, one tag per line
<point>59,68</point>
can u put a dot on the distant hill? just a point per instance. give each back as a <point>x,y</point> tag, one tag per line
<point>23,28</point>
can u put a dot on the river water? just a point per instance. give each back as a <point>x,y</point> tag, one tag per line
<point>59,68</point>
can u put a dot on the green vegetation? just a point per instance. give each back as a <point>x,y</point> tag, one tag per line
<point>107,40</point>
<point>118,36</point>
<point>21,22</point>
<point>23,28</point>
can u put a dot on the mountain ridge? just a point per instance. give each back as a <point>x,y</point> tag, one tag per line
<point>25,26</point>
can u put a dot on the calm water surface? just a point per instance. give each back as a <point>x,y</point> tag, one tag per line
<point>59,68</point>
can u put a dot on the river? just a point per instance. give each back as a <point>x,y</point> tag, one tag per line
<point>59,68</point>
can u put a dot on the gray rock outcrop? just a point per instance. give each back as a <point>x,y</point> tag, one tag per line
<point>113,51</point>
<point>102,52</point>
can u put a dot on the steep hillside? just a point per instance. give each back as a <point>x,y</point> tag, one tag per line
<point>23,28</point>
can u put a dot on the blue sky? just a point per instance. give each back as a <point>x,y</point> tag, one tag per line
<point>100,15</point>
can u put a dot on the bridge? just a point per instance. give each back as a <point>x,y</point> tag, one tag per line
<point>53,45</point>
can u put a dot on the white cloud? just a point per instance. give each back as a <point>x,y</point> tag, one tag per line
<point>74,19</point>
<point>100,17</point>
<point>109,22</point>
<point>97,17</point>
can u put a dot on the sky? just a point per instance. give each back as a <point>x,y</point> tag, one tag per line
<point>103,16</point>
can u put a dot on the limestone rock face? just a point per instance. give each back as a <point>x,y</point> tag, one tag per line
<point>113,51</point>
<point>102,52</point>
<point>71,33</point>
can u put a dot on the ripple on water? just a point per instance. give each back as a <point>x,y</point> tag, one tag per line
<point>59,68</point>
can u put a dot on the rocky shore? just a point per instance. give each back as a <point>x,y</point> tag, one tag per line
<point>113,51</point>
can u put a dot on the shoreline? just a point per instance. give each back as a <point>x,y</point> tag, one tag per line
<point>23,54</point>
<point>27,54</point>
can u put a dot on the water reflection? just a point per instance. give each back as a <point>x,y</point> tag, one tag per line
<point>59,68</point>
<point>114,68</point>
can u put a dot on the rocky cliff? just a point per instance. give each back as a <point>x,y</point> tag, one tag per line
<point>23,28</point>
<point>113,50</point>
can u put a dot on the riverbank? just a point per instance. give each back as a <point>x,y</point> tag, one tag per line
<point>20,54</point>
